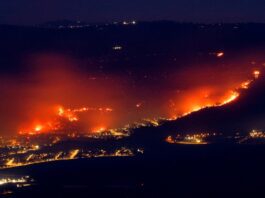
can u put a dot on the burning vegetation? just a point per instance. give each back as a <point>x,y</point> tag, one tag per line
<point>57,97</point>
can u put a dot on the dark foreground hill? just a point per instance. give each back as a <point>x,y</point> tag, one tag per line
<point>242,115</point>
<point>174,171</point>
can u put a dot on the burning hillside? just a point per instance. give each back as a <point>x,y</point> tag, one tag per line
<point>113,101</point>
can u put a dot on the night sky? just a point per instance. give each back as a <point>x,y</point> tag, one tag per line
<point>28,12</point>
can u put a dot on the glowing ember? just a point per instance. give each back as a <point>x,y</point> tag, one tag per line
<point>60,111</point>
<point>67,114</point>
<point>245,85</point>
<point>65,119</point>
<point>99,130</point>
<point>138,105</point>
<point>61,117</point>
<point>256,74</point>
<point>38,128</point>
<point>234,95</point>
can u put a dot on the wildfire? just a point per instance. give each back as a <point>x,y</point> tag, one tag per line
<point>196,104</point>
<point>245,85</point>
<point>196,100</point>
<point>256,74</point>
<point>70,115</point>
<point>99,129</point>
<point>38,128</point>
<point>234,95</point>
<point>60,111</point>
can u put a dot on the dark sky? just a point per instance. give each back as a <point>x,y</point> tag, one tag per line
<point>38,11</point>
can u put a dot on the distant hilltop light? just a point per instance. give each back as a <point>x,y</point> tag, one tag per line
<point>220,54</point>
<point>117,47</point>
<point>129,22</point>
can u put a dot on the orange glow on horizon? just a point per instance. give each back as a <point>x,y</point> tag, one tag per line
<point>99,129</point>
<point>98,119</point>
<point>245,85</point>
<point>63,116</point>
<point>234,95</point>
<point>38,128</point>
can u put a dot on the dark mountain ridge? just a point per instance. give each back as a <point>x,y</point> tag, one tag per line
<point>241,115</point>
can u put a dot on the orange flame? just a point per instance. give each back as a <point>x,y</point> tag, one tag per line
<point>195,100</point>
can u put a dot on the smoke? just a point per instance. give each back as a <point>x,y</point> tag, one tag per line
<point>54,80</point>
